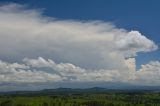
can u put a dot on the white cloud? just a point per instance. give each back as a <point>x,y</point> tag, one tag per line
<point>85,50</point>
<point>134,42</point>
<point>149,73</point>
<point>20,73</point>
<point>36,71</point>
<point>88,44</point>
<point>31,72</point>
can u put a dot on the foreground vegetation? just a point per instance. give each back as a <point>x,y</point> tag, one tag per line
<point>83,99</point>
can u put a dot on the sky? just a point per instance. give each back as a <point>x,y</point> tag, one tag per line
<point>73,43</point>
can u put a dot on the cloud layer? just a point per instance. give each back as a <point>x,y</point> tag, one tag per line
<point>39,70</point>
<point>81,50</point>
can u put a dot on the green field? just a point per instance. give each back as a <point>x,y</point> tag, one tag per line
<point>83,99</point>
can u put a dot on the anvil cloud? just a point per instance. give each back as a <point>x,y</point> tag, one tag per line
<point>39,49</point>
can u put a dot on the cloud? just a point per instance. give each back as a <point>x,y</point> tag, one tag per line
<point>134,42</point>
<point>30,72</point>
<point>81,50</point>
<point>149,73</point>
<point>40,71</point>
<point>88,44</point>
<point>21,73</point>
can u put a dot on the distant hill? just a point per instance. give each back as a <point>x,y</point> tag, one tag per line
<point>80,90</point>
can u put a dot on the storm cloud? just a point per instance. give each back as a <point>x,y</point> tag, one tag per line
<point>36,49</point>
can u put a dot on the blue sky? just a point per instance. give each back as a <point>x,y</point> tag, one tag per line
<point>74,41</point>
<point>128,14</point>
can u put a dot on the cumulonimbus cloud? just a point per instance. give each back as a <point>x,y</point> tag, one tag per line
<point>84,50</point>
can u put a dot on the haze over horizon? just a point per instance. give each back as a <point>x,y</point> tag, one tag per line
<point>58,44</point>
